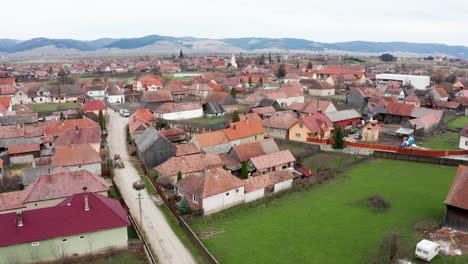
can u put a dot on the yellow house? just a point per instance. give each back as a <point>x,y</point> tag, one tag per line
<point>370,132</point>
<point>312,126</point>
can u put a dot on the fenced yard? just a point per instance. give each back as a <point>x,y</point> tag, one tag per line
<point>39,108</point>
<point>328,222</point>
<point>441,141</point>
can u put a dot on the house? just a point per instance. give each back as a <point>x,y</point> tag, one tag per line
<point>448,106</point>
<point>214,141</point>
<point>423,125</point>
<point>439,94</point>
<point>463,138</point>
<point>115,95</point>
<point>179,111</point>
<point>313,106</point>
<point>213,109</point>
<point>284,96</point>
<point>260,186</point>
<point>80,135</point>
<point>94,107</point>
<point>397,113</point>
<point>245,152</point>
<point>20,97</point>
<point>456,214</point>
<point>417,81</point>
<point>96,92</point>
<point>23,153</point>
<point>22,118</point>
<point>213,191</point>
<point>413,99</point>
<point>189,164</point>
<point>222,98</point>
<point>396,92</point>
<point>76,158</point>
<point>200,90</point>
<point>313,126</point>
<point>319,88</point>
<point>149,83</point>
<point>153,148</point>
<point>174,135</point>
<point>344,118</point>
<point>21,134</point>
<point>51,189</point>
<point>278,125</point>
<point>186,149</point>
<point>370,132</point>
<point>244,132</point>
<point>139,121</point>
<point>275,161</point>
<point>67,229</point>
<point>263,111</point>
<point>153,99</point>
<point>360,96</point>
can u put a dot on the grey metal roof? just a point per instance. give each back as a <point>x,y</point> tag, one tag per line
<point>343,115</point>
<point>147,139</point>
<point>213,108</point>
<point>19,119</point>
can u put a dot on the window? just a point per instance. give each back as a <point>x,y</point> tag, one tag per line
<point>35,244</point>
<point>301,126</point>
<point>237,190</point>
<point>466,143</point>
<point>64,240</point>
<point>82,237</point>
<point>195,199</point>
<point>227,194</point>
<point>255,137</point>
<point>79,166</point>
<point>425,252</point>
<point>298,135</point>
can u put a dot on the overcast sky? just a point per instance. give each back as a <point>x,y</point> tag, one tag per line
<point>429,21</point>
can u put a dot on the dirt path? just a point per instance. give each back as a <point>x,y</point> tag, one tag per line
<point>162,239</point>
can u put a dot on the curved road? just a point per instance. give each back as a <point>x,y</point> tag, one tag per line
<point>163,241</point>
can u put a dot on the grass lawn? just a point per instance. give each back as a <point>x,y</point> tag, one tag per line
<point>207,121</point>
<point>327,223</point>
<point>325,160</point>
<point>341,97</point>
<point>441,141</point>
<point>459,123</point>
<point>51,107</point>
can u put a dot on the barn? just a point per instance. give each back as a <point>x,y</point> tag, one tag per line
<point>456,215</point>
<point>153,148</point>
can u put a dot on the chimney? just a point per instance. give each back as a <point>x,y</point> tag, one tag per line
<point>76,130</point>
<point>234,127</point>
<point>319,110</point>
<point>85,191</point>
<point>19,218</point>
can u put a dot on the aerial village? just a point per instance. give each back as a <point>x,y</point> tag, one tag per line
<point>225,153</point>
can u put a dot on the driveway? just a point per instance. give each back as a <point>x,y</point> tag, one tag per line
<point>167,246</point>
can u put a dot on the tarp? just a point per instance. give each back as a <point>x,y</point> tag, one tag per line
<point>405,131</point>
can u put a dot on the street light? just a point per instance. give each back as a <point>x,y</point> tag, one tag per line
<point>139,185</point>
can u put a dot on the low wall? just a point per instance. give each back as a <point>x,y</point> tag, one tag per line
<point>418,158</point>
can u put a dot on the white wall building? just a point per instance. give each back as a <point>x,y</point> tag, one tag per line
<point>417,81</point>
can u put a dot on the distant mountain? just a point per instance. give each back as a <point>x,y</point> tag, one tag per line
<point>154,44</point>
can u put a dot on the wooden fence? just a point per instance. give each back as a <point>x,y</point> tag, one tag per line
<point>185,227</point>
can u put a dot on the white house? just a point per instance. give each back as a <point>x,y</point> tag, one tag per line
<point>174,111</point>
<point>418,82</point>
<point>273,182</point>
<point>96,92</point>
<point>115,95</point>
<point>464,139</point>
<point>213,191</point>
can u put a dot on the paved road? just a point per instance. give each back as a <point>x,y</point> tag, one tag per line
<point>164,242</point>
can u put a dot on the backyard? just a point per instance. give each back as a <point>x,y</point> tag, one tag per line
<point>459,123</point>
<point>38,108</point>
<point>441,141</point>
<point>328,223</point>
<point>328,160</point>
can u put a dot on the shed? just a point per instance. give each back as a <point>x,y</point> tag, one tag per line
<point>456,215</point>
<point>153,148</point>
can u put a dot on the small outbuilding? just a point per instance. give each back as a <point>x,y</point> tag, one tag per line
<point>456,215</point>
<point>370,132</point>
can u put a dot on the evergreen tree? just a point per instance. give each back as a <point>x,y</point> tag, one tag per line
<point>244,170</point>
<point>179,176</point>
<point>309,65</point>
<point>235,117</point>
<point>225,167</point>
<point>260,82</point>
<point>102,121</point>
<point>270,60</point>
<point>62,116</point>
<point>278,59</point>
<point>338,138</point>
<point>281,72</point>
<point>297,65</point>
<point>181,54</point>
<point>184,206</point>
<point>233,92</point>
<point>250,81</point>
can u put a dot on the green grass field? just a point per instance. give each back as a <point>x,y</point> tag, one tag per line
<point>38,108</point>
<point>326,160</point>
<point>445,141</point>
<point>327,223</point>
<point>459,123</point>
<point>208,121</point>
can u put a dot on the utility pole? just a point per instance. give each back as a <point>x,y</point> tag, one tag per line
<point>139,197</point>
<point>139,185</point>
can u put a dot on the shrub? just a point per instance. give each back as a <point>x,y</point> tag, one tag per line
<point>427,225</point>
<point>377,203</point>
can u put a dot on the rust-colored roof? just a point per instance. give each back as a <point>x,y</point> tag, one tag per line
<point>458,194</point>
<point>412,98</point>
<point>211,138</point>
<point>399,109</point>
<point>95,105</point>
<point>273,159</point>
<point>174,107</point>
<point>158,96</point>
<point>263,110</point>
<point>243,129</point>
<point>186,149</point>
<point>23,148</point>
<point>75,155</point>
<point>189,164</point>
<point>57,127</point>
<point>211,183</point>
<point>281,121</point>
<point>5,101</point>
<point>145,115</point>
<point>266,180</point>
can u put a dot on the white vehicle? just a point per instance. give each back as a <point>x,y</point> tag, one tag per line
<point>427,250</point>
<point>124,112</point>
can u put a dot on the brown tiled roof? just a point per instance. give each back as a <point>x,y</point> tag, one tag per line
<point>243,129</point>
<point>57,127</point>
<point>211,138</point>
<point>209,184</point>
<point>269,179</point>
<point>174,107</point>
<point>186,149</point>
<point>229,161</point>
<point>412,98</point>
<point>189,164</point>
<point>75,155</point>
<point>273,159</point>
<point>263,110</point>
<point>281,121</point>
<point>158,96</point>
<point>86,135</point>
<point>458,194</point>
<point>23,148</point>
<point>145,115</point>
<point>311,106</point>
<point>399,109</point>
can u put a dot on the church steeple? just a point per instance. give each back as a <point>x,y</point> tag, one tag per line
<point>233,61</point>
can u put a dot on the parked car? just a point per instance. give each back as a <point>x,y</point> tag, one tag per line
<point>124,112</point>
<point>357,136</point>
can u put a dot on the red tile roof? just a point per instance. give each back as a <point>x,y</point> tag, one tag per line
<point>266,180</point>
<point>243,129</point>
<point>209,184</point>
<point>458,194</point>
<point>7,81</point>
<point>5,101</point>
<point>149,80</point>
<point>85,135</point>
<point>23,148</point>
<point>211,138</point>
<point>57,127</point>
<point>280,121</point>
<point>63,220</point>
<point>273,159</point>
<point>75,155</point>
<point>158,96</point>
<point>95,105</point>
<point>145,115</point>
<point>399,109</point>
<point>189,164</point>
<point>174,107</point>
<point>186,149</point>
